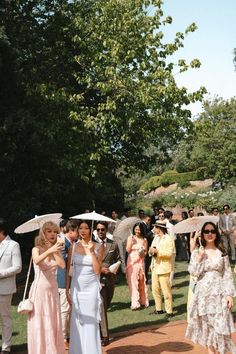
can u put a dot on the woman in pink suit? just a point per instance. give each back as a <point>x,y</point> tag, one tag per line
<point>44,322</point>
<point>137,247</point>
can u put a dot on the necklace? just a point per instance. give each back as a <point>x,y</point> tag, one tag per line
<point>86,245</point>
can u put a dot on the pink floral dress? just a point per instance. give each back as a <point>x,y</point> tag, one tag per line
<point>210,321</point>
<point>135,274</point>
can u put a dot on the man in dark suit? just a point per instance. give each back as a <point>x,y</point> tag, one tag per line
<point>149,236</point>
<point>107,279</point>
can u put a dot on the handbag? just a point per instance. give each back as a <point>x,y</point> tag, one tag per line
<point>71,269</point>
<point>26,305</point>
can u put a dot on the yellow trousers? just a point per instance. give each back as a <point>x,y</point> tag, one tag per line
<point>161,284</point>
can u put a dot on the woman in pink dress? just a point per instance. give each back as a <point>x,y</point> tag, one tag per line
<point>44,322</point>
<point>137,247</point>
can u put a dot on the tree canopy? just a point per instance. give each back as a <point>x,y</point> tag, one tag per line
<point>86,88</point>
<point>211,146</point>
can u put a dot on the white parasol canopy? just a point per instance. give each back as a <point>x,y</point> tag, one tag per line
<point>37,222</point>
<point>92,216</point>
<point>193,224</point>
<point>125,228</point>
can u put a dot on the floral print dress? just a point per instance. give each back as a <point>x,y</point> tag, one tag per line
<point>210,321</point>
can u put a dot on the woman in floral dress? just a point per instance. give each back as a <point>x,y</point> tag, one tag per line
<point>210,319</point>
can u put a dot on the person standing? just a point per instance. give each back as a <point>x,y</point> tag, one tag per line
<point>44,322</point>
<point>70,236</point>
<point>10,265</point>
<point>149,236</point>
<point>126,214</point>
<point>84,293</point>
<point>183,251</point>
<point>162,250</point>
<point>168,218</point>
<point>137,247</point>
<point>107,279</point>
<point>122,243</point>
<point>227,225</point>
<point>210,321</point>
<point>141,214</point>
<point>155,216</point>
<point>113,225</point>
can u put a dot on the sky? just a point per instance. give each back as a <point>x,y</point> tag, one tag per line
<point>212,43</point>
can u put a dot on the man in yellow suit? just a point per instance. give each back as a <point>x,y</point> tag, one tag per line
<point>162,250</point>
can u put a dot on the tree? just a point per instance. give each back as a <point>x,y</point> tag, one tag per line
<point>129,98</point>
<point>212,145</point>
<point>86,87</point>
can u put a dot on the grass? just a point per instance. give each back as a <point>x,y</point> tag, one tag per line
<point>120,316</point>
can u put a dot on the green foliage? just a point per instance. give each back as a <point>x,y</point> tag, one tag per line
<point>169,177</point>
<point>205,198</point>
<point>86,88</point>
<point>210,148</point>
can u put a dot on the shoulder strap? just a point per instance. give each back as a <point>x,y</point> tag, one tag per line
<point>27,279</point>
<point>72,253</point>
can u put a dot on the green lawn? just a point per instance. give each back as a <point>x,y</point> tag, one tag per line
<point>121,318</point>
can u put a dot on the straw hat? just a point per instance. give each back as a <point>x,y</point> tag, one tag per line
<point>160,223</point>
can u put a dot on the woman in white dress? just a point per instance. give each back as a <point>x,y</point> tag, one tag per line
<point>84,294</point>
<point>210,320</point>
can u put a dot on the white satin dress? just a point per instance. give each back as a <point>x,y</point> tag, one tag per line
<point>86,301</point>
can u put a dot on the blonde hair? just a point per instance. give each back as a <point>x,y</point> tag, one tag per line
<point>40,239</point>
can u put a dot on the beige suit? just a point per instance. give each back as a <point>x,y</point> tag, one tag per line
<point>161,267</point>
<point>10,265</point>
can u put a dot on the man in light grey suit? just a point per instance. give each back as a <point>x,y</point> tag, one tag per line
<point>227,225</point>
<point>10,265</point>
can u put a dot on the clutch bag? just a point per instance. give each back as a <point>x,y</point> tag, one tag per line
<point>25,307</point>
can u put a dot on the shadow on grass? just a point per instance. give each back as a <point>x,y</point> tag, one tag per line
<point>124,329</point>
<point>180,309</point>
<point>182,274</point>
<point>181,285</point>
<point>170,347</point>
<point>119,306</point>
<point>22,348</point>
<point>177,296</point>
<point>17,347</point>
<point>125,305</point>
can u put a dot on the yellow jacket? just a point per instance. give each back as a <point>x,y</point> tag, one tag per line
<point>162,262</point>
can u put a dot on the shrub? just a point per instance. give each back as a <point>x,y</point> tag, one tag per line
<point>167,178</point>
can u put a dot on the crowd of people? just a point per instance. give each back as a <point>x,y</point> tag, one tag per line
<point>74,283</point>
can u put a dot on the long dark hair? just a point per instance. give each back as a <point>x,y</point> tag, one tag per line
<point>141,226</point>
<point>87,222</point>
<point>218,241</point>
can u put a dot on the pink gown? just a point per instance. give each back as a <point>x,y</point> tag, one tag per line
<point>44,322</point>
<point>134,270</point>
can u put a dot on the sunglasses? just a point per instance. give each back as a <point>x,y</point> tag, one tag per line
<point>102,229</point>
<point>209,231</point>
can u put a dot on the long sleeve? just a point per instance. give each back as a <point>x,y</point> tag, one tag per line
<point>117,254</point>
<point>228,281</point>
<point>16,263</point>
<point>168,250</point>
<point>195,267</point>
